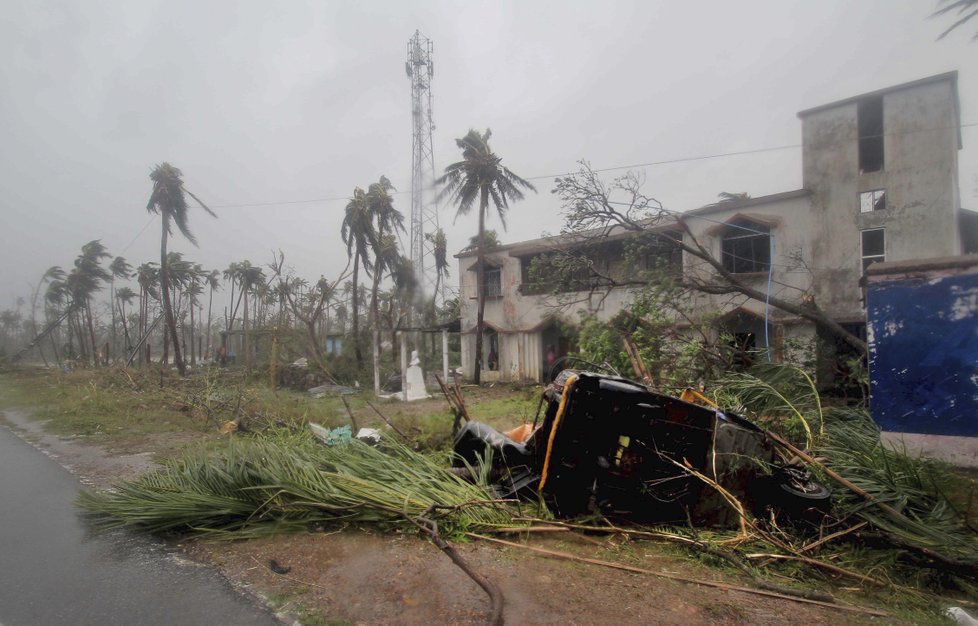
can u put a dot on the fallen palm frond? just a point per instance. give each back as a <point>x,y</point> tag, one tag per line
<point>781,392</point>
<point>253,486</point>
<point>916,487</point>
<point>903,496</point>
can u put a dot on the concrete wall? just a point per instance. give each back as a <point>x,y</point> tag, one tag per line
<point>919,176</point>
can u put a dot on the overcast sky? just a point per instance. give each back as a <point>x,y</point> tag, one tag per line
<point>275,102</point>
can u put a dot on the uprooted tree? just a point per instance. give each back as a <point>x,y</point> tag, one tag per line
<point>596,210</point>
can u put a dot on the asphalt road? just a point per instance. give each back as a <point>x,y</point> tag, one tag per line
<point>55,570</point>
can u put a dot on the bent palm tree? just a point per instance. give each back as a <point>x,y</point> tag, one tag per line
<point>388,220</point>
<point>169,202</point>
<point>359,235</point>
<point>481,176</point>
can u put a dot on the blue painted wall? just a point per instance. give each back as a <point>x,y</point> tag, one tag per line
<point>923,354</point>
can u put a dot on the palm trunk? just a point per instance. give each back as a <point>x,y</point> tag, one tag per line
<point>480,286</point>
<point>356,311</point>
<point>193,359</point>
<point>210,307</point>
<point>376,327</point>
<point>125,327</point>
<point>171,321</point>
<point>91,333</point>
<point>244,327</point>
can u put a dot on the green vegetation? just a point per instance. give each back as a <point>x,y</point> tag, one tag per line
<point>285,480</point>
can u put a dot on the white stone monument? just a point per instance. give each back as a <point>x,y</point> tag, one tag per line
<point>415,389</point>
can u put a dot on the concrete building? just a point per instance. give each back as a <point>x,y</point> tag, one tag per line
<point>880,183</point>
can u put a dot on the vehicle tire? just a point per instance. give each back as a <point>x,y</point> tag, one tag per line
<point>813,491</point>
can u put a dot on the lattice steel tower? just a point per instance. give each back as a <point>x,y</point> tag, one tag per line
<point>424,211</point>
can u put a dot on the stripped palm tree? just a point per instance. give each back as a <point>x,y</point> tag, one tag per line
<point>169,202</point>
<point>480,176</point>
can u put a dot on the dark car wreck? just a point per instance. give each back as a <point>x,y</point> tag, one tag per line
<point>608,445</point>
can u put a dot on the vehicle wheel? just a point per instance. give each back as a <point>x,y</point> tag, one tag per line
<point>807,490</point>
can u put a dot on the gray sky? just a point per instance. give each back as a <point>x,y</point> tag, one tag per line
<point>268,102</point>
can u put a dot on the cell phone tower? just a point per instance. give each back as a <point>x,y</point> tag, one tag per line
<point>424,210</point>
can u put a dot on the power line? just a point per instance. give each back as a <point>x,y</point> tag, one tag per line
<point>702,157</point>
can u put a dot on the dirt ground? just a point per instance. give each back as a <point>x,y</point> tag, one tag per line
<point>354,577</point>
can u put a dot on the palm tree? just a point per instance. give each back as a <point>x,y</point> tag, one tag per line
<point>359,235</point>
<point>83,282</point>
<point>439,244</point>
<point>119,269</point>
<point>148,278</point>
<point>168,201</point>
<point>480,176</point>
<point>387,221</point>
<point>247,277</point>
<point>124,296</point>
<point>213,283</point>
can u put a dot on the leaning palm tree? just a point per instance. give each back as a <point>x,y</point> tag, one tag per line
<point>124,296</point>
<point>360,236</point>
<point>83,282</point>
<point>388,221</point>
<point>119,269</point>
<point>480,176</point>
<point>169,202</point>
<point>439,246</point>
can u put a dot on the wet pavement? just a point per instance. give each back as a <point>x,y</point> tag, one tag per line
<point>55,570</point>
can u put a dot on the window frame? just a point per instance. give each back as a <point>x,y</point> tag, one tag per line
<point>741,231</point>
<point>875,197</point>
<point>871,258</point>
<point>871,131</point>
<point>497,284</point>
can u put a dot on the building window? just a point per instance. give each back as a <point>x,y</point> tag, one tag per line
<point>493,284</point>
<point>490,348</point>
<point>664,253</point>
<point>870,201</point>
<point>869,113</point>
<point>746,248</point>
<point>874,247</point>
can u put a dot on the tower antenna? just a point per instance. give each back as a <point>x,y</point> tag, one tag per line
<point>424,210</point>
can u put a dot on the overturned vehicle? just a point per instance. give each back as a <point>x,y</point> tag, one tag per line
<point>607,445</point>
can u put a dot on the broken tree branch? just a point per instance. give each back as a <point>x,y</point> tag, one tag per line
<point>430,527</point>
<point>705,583</point>
<point>349,412</point>
<point>389,423</point>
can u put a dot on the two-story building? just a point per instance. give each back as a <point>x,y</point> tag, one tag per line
<point>880,183</point>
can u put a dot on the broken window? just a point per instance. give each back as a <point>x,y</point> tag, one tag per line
<point>746,248</point>
<point>874,247</point>
<point>870,201</point>
<point>869,113</point>
<point>492,282</point>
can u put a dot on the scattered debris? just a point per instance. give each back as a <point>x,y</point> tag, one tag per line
<point>331,437</point>
<point>332,390</point>
<point>369,436</point>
